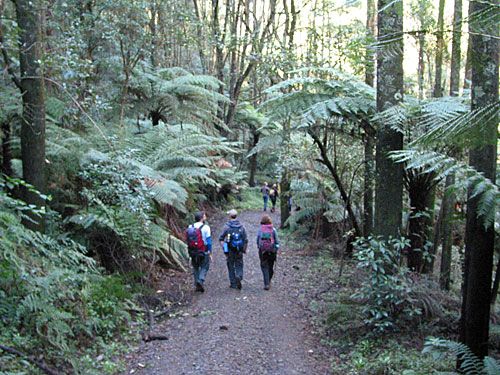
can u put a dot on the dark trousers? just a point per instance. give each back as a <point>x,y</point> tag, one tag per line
<point>201,264</point>
<point>273,201</point>
<point>267,260</point>
<point>234,266</point>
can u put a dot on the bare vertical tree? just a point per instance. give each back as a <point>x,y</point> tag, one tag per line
<point>438,84</point>
<point>479,240</point>
<point>369,132</point>
<point>389,175</point>
<point>30,21</point>
<point>449,198</point>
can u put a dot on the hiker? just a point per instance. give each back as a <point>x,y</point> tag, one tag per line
<point>273,195</point>
<point>265,194</point>
<point>268,244</point>
<point>234,241</point>
<point>199,243</point>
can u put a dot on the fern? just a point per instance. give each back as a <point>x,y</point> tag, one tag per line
<point>471,179</point>
<point>470,364</point>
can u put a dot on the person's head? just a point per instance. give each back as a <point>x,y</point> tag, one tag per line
<point>265,183</point>
<point>274,185</point>
<point>266,219</point>
<point>233,214</point>
<point>200,216</point>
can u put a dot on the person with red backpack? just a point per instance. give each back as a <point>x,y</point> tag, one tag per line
<point>234,241</point>
<point>199,242</point>
<point>268,244</point>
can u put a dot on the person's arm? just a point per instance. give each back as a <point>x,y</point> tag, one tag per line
<point>245,240</point>
<point>208,238</point>
<point>259,233</point>
<point>276,239</point>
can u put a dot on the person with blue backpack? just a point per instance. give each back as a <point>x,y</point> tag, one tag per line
<point>199,242</point>
<point>234,242</point>
<point>268,244</point>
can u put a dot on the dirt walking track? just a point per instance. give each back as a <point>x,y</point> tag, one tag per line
<point>229,331</point>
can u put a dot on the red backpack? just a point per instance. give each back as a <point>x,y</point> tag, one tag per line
<point>195,243</point>
<point>266,241</point>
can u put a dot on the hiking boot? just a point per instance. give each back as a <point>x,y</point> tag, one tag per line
<point>266,287</point>
<point>199,287</point>
<point>233,286</point>
<point>238,283</point>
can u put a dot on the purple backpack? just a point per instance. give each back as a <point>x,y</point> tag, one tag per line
<point>266,241</point>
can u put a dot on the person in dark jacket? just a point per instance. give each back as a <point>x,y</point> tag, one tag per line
<point>273,195</point>
<point>234,241</point>
<point>268,244</point>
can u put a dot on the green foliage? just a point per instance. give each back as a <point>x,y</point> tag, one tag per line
<point>470,364</point>
<point>387,288</point>
<point>52,295</point>
<point>470,179</point>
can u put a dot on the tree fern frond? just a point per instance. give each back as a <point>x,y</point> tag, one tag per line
<point>443,165</point>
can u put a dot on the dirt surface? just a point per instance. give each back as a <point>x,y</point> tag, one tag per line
<point>230,331</point>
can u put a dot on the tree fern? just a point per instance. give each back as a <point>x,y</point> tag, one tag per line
<point>443,165</point>
<point>470,364</point>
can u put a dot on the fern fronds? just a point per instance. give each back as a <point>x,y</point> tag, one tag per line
<point>443,165</point>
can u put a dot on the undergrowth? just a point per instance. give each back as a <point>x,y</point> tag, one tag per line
<point>343,322</point>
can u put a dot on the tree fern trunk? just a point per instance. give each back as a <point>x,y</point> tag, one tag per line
<point>29,20</point>
<point>6,151</point>
<point>480,241</point>
<point>389,176</point>
<point>253,159</point>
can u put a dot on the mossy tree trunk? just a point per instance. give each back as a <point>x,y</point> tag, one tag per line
<point>389,175</point>
<point>30,21</point>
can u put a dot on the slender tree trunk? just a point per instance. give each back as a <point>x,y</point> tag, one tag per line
<point>30,22</point>
<point>496,284</point>
<point>456,49</point>
<point>285,178</point>
<point>446,233</point>
<point>438,82</point>
<point>449,198</point>
<point>389,178</point>
<point>253,158</point>
<point>480,241</point>
<point>370,32</point>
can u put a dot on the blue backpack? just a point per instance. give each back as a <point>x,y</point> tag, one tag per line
<point>236,239</point>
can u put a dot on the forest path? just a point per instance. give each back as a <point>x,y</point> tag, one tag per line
<point>229,331</point>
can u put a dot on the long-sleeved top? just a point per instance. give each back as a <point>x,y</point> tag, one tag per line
<point>235,223</point>
<point>275,236</point>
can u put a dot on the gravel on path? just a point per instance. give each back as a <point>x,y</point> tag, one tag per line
<point>229,331</point>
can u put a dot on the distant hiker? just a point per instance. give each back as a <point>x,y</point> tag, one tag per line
<point>273,195</point>
<point>199,243</point>
<point>289,202</point>
<point>234,241</point>
<point>265,194</point>
<point>268,244</point>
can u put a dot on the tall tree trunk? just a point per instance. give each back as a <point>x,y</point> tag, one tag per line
<point>285,178</point>
<point>438,82</point>
<point>449,198</point>
<point>253,158</point>
<point>446,233</point>
<point>370,32</point>
<point>456,49</point>
<point>30,21</point>
<point>389,179</point>
<point>369,155</point>
<point>369,152</point>
<point>480,241</point>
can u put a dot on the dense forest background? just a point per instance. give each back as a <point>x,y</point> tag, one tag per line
<point>119,118</point>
